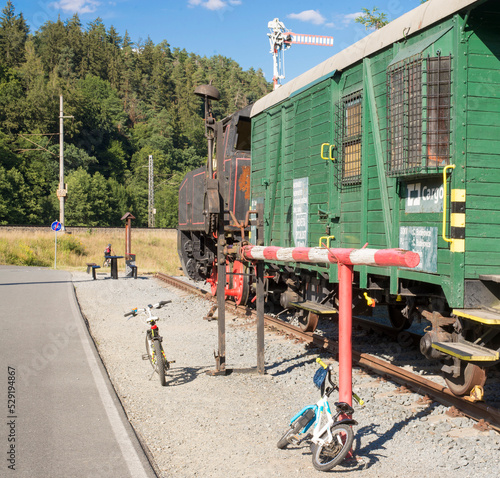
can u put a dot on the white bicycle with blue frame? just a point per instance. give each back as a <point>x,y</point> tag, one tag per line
<point>332,437</point>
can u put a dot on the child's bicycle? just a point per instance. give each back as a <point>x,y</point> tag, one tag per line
<point>154,348</point>
<point>332,437</point>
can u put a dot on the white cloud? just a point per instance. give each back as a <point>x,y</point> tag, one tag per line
<point>311,16</point>
<point>351,17</point>
<point>235,2</point>
<point>212,4</point>
<point>78,6</point>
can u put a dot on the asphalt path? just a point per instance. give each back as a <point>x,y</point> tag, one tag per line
<point>60,414</point>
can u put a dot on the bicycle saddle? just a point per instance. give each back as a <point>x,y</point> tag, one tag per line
<point>319,377</point>
<point>344,407</point>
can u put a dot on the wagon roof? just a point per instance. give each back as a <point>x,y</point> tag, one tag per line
<point>410,23</point>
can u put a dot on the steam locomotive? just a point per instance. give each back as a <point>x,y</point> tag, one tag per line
<point>393,142</point>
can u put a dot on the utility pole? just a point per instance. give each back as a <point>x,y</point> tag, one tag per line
<point>62,192</point>
<point>151,196</point>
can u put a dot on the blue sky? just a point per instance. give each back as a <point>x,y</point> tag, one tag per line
<point>232,28</point>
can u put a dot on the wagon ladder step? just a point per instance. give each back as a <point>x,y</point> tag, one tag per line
<point>467,351</point>
<point>488,317</point>
<point>490,277</point>
<point>315,308</point>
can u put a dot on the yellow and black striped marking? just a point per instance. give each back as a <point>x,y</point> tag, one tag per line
<point>457,220</point>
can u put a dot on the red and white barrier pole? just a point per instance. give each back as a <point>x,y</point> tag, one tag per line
<point>346,260</point>
<point>321,255</point>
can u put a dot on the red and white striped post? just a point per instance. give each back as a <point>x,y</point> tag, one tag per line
<point>322,255</point>
<point>345,333</point>
<point>346,260</point>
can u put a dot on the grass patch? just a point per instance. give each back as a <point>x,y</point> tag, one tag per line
<point>155,250</point>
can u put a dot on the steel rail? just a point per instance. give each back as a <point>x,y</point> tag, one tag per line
<point>480,411</point>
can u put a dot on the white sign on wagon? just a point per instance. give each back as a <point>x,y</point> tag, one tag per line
<point>424,241</point>
<point>424,196</point>
<point>300,211</point>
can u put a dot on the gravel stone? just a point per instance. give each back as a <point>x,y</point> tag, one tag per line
<point>205,426</point>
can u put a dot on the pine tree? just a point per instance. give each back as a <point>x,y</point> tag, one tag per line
<point>13,35</point>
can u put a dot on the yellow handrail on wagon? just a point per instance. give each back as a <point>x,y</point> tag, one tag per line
<point>445,195</point>
<point>330,156</point>
<point>328,238</point>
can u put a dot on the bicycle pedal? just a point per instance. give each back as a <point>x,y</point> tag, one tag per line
<point>294,440</point>
<point>171,361</point>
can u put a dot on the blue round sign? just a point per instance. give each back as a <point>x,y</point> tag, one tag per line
<point>56,226</point>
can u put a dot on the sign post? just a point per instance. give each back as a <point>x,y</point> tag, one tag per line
<point>55,226</point>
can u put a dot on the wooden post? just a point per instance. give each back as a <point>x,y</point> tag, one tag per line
<point>128,236</point>
<point>221,258</point>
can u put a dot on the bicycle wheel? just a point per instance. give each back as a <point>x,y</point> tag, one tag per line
<point>293,430</point>
<point>159,361</point>
<point>299,423</point>
<point>325,457</point>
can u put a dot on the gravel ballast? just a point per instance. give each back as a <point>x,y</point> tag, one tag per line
<point>200,425</point>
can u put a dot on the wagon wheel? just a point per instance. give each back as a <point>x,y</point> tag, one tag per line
<point>470,376</point>
<point>398,320</point>
<point>309,322</point>
<point>240,282</point>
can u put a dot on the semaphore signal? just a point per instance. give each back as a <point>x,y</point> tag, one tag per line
<point>280,39</point>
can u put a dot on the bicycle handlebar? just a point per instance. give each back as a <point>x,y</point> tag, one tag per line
<point>158,305</point>
<point>360,401</point>
<point>323,364</point>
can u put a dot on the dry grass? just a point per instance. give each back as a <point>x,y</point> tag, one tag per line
<point>155,250</point>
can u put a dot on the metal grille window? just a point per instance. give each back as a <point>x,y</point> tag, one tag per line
<point>405,116</point>
<point>350,139</point>
<point>419,111</point>
<point>438,110</point>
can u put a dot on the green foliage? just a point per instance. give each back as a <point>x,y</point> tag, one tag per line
<point>13,34</point>
<point>126,101</point>
<point>21,254</point>
<point>372,19</point>
<point>88,200</point>
<point>167,210</point>
<point>69,244</point>
<point>14,196</point>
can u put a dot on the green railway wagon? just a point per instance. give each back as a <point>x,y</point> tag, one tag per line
<point>395,142</point>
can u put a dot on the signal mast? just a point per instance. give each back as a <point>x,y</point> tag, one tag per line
<point>282,39</point>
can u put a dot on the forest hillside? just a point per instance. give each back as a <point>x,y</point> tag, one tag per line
<point>128,101</point>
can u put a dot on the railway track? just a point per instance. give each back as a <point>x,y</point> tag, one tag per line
<point>486,415</point>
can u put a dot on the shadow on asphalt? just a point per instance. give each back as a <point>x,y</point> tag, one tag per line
<point>68,281</point>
